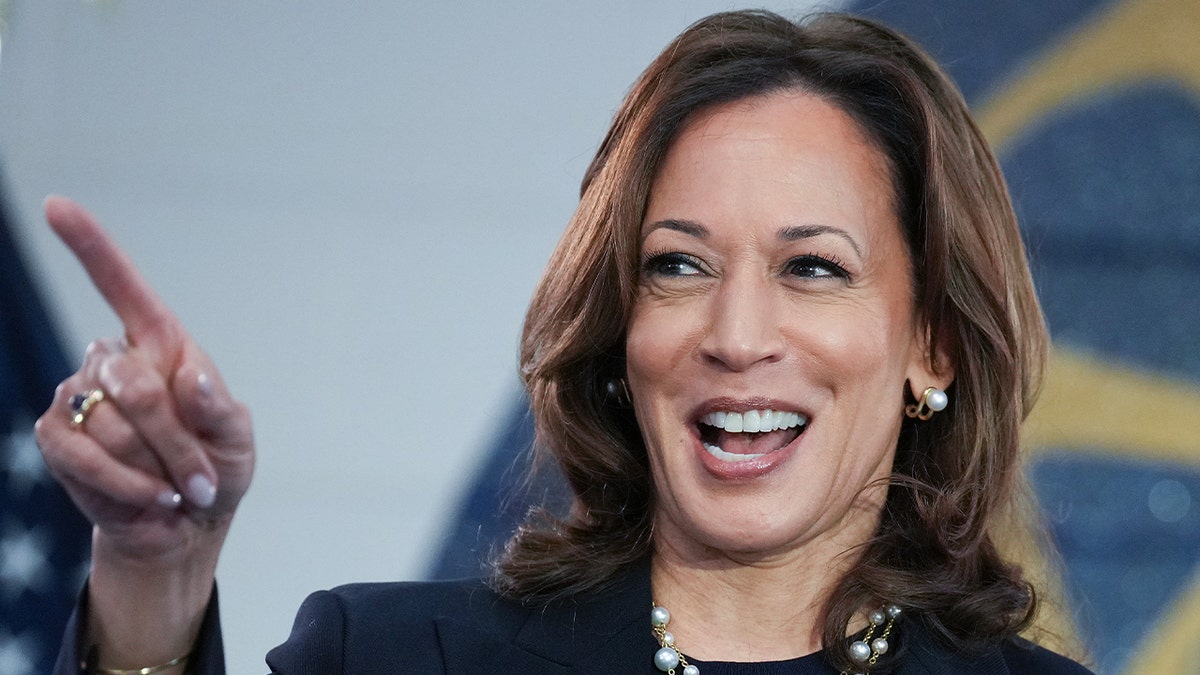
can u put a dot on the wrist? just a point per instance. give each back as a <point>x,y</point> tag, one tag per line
<point>145,612</point>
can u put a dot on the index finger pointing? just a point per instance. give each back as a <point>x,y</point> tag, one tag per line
<point>149,323</point>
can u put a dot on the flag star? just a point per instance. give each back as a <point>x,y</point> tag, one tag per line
<point>17,654</point>
<point>23,564</point>
<point>24,462</point>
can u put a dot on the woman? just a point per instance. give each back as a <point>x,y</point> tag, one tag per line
<point>781,355</point>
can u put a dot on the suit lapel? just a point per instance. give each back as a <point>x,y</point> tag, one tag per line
<point>603,632</point>
<point>468,649</point>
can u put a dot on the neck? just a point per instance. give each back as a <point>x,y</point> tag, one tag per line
<point>729,609</point>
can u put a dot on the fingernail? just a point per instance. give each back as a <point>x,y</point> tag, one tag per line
<point>201,491</point>
<point>169,499</point>
<point>205,385</point>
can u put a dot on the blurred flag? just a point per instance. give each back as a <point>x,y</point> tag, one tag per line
<point>43,538</point>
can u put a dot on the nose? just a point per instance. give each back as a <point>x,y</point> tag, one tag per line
<point>744,326</point>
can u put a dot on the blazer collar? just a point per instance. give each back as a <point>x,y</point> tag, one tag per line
<point>607,631</point>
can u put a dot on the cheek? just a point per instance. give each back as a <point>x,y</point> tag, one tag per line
<point>659,340</point>
<point>657,351</point>
<point>848,342</point>
<point>859,366</point>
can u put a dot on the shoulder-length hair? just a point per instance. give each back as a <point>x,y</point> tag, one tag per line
<point>934,551</point>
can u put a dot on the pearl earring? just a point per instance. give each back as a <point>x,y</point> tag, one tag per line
<point>933,400</point>
<point>616,391</point>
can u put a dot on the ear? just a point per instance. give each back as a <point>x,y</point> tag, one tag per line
<point>931,364</point>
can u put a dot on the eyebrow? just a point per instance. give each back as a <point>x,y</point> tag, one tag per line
<point>790,233</point>
<point>690,227</point>
<point>797,232</point>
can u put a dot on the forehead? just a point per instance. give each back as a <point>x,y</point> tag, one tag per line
<point>786,155</point>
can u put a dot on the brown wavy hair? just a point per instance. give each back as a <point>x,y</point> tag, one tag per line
<point>954,476</point>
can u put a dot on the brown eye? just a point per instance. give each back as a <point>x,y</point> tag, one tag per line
<point>672,265</point>
<point>815,267</point>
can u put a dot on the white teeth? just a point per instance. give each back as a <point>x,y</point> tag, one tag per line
<point>728,456</point>
<point>754,421</point>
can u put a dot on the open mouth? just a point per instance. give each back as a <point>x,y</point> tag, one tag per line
<point>742,436</point>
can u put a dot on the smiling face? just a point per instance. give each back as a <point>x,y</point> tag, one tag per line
<point>774,330</point>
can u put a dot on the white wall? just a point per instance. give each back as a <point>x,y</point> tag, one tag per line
<point>348,204</point>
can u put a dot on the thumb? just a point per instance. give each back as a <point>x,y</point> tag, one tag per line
<point>205,405</point>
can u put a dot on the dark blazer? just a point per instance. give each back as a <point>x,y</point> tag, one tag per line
<point>463,627</point>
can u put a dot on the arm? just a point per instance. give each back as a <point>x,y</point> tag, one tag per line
<point>158,466</point>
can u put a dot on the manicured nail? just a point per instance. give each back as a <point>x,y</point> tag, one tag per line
<point>204,384</point>
<point>169,499</point>
<point>201,491</point>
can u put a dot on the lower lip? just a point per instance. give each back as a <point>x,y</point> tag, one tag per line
<point>749,468</point>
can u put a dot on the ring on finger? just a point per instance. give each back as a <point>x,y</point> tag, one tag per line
<point>82,403</point>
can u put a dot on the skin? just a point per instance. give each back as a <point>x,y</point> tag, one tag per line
<point>774,275</point>
<point>158,466</point>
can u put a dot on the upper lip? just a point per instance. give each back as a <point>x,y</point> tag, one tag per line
<point>742,405</point>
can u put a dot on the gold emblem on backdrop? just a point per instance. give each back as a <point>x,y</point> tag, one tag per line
<point>1087,403</point>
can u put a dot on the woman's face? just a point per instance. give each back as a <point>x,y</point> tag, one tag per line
<point>774,330</point>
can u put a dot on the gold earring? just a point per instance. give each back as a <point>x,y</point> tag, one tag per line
<point>932,400</point>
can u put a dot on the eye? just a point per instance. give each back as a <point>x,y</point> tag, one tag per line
<point>813,266</point>
<point>672,264</point>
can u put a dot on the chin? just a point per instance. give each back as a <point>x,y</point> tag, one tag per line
<point>741,534</point>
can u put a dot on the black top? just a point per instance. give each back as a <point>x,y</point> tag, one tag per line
<point>464,627</point>
<point>909,641</point>
<point>813,664</point>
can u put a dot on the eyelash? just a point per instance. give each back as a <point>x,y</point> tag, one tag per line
<point>829,263</point>
<point>657,262</point>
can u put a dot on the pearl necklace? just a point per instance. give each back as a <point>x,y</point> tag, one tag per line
<point>865,651</point>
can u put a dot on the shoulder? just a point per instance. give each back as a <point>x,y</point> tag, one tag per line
<point>454,626</point>
<point>1023,656</point>
<point>419,602</point>
<point>925,655</point>
<point>356,627</point>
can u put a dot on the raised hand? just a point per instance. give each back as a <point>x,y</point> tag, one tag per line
<point>159,459</point>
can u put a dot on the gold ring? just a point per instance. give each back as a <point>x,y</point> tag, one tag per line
<point>82,403</point>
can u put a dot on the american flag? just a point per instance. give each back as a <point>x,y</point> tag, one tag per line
<point>43,538</point>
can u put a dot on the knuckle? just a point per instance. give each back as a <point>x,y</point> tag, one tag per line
<point>142,396</point>
<point>103,347</point>
<point>220,407</point>
<point>94,347</point>
<point>41,433</point>
<point>161,330</point>
<point>74,463</point>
